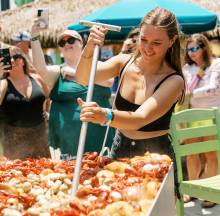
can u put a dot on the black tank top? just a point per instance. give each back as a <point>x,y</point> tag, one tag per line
<point>21,111</point>
<point>161,123</point>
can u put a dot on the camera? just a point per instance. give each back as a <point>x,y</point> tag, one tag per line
<point>5,53</point>
<point>43,14</point>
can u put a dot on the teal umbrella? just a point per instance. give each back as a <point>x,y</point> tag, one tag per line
<point>128,14</point>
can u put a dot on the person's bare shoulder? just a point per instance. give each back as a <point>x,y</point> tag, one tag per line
<point>37,78</point>
<point>177,81</point>
<point>41,83</point>
<point>54,68</point>
<point>123,59</point>
<point>53,72</point>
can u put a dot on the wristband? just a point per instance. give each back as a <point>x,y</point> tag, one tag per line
<point>109,117</point>
<point>35,38</point>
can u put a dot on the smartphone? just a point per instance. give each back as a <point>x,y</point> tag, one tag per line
<point>43,14</point>
<point>5,53</point>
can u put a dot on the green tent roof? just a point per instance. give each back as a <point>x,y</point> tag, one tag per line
<point>128,14</point>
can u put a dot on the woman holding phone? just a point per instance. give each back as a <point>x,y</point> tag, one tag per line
<point>22,95</point>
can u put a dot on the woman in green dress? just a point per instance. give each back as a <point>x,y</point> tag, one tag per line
<point>64,124</point>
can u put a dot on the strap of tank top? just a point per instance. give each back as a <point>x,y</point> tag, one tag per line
<point>104,147</point>
<point>166,77</point>
<point>124,67</point>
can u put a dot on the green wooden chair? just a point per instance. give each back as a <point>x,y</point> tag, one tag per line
<point>209,188</point>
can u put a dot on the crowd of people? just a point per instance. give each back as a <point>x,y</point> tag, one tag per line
<point>150,80</point>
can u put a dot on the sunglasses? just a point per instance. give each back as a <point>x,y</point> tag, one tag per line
<point>193,49</point>
<point>70,41</point>
<point>16,56</point>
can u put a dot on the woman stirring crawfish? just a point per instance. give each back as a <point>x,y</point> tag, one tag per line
<point>152,84</point>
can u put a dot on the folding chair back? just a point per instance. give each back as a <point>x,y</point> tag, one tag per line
<point>181,128</point>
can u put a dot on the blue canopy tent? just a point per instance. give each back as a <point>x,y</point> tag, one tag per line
<point>128,14</point>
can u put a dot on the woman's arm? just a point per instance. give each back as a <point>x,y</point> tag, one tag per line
<point>42,84</point>
<point>108,83</point>
<point>153,108</point>
<point>105,70</point>
<point>3,89</point>
<point>213,86</point>
<point>48,73</point>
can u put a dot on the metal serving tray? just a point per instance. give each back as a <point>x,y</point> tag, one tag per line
<point>164,202</point>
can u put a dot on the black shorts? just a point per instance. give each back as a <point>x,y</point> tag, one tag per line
<point>125,147</point>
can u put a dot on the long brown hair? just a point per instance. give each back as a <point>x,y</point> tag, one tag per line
<point>203,43</point>
<point>167,20</point>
